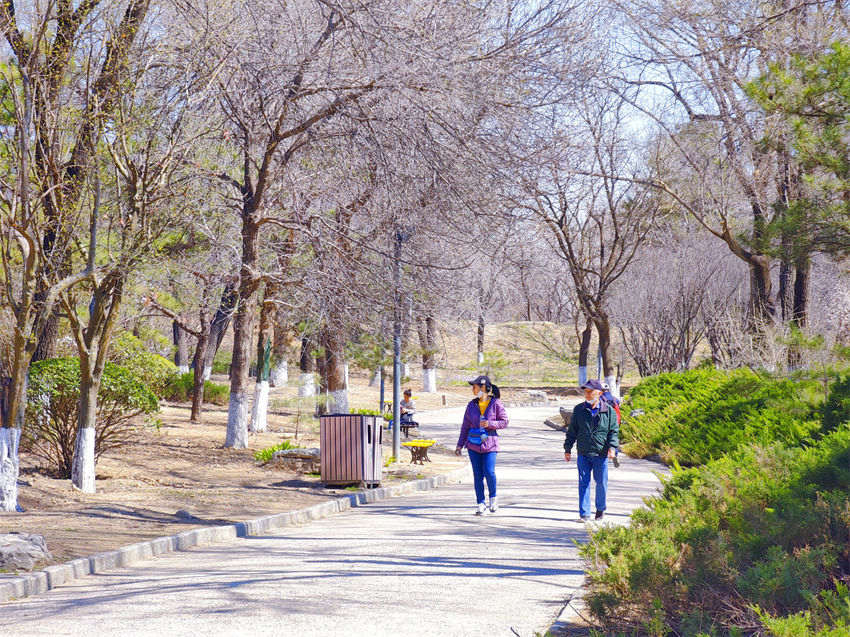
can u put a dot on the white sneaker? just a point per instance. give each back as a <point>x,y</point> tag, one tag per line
<point>494,505</point>
<point>481,509</point>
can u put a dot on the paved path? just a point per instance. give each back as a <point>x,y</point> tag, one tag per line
<point>415,565</point>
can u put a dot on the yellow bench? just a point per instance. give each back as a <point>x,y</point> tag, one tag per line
<point>419,450</point>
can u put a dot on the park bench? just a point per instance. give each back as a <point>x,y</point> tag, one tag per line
<point>419,450</point>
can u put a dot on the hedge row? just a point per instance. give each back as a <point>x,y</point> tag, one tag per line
<point>693,417</point>
<point>754,541</point>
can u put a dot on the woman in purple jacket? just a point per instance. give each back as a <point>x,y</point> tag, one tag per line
<point>484,416</point>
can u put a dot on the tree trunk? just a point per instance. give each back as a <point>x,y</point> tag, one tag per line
<point>219,325</point>
<point>307,385</point>
<point>259,414</point>
<point>181,352</point>
<point>198,365</point>
<point>46,343</point>
<point>609,371</point>
<point>785,292</point>
<point>83,466</point>
<point>480,340</point>
<point>9,467</point>
<point>427,329</point>
<point>762,309</point>
<point>279,376</point>
<point>243,326</point>
<point>334,372</point>
<point>11,423</point>
<point>799,314</point>
<point>584,352</point>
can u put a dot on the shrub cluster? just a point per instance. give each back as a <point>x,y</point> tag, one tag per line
<point>152,369</point>
<point>180,389</point>
<point>52,410</point>
<point>755,540</point>
<point>265,455</point>
<point>765,528</point>
<point>691,417</point>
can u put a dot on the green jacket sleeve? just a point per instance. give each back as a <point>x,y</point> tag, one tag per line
<point>572,433</point>
<point>613,441</point>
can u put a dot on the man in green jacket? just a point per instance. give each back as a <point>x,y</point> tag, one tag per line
<point>594,430</point>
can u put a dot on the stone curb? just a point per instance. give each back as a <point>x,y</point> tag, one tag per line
<point>59,574</point>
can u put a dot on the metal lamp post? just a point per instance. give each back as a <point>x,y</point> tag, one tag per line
<point>400,237</point>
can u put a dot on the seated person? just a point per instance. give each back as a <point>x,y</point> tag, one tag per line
<point>407,407</point>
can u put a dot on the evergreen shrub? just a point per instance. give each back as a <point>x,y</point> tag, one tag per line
<point>757,538</point>
<point>52,412</point>
<point>152,369</point>
<point>836,409</point>
<point>181,388</point>
<point>691,417</point>
<point>265,455</point>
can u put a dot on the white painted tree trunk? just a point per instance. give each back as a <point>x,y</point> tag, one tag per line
<point>10,438</point>
<point>260,412</point>
<point>82,467</point>
<point>613,386</point>
<point>183,369</point>
<point>280,374</point>
<point>207,372</point>
<point>237,422</point>
<point>345,368</point>
<point>376,378</point>
<point>429,380</point>
<point>338,402</point>
<point>307,386</point>
<point>582,375</point>
<point>480,358</point>
<point>405,370</point>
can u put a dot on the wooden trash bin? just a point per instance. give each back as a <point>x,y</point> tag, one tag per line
<point>350,446</point>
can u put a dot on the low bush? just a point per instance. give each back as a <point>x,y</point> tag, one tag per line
<point>221,362</point>
<point>265,455</point>
<point>758,538</point>
<point>152,369</point>
<point>692,417</point>
<point>836,408</point>
<point>52,410</point>
<point>181,388</point>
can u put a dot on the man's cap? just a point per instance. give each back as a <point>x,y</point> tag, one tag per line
<point>593,384</point>
<point>480,380</point>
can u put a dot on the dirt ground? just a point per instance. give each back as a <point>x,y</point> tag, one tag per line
<point>177,476</point>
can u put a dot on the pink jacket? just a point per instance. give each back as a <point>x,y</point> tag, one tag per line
<point>497,418</point>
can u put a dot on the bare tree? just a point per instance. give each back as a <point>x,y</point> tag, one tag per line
<point>701,56</point>
<point>597,219</point>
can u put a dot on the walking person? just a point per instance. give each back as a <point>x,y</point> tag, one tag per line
<point>484,416</point>
<point>595,432</point>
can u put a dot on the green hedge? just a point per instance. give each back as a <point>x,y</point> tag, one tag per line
<point>155,371</point>
<point>836,409</point>
<point>692,417</point>
<point>758,537</point>
<point>52,412</point>
<point>181,388</point>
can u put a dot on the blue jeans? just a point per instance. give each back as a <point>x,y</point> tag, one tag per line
<point>598,466</point>
<point>483,466</point>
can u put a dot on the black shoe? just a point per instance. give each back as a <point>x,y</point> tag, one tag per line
<point>599,515</point>
<point>616,461</point>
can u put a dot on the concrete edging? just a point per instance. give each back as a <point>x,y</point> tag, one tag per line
<point>59,574</point>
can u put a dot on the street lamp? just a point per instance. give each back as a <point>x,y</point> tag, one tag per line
<point>400,237</point>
